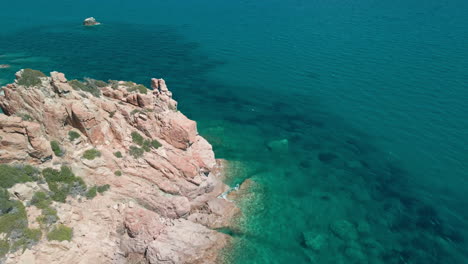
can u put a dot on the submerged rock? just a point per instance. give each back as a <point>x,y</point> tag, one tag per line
<point>90,21</point>
<point>278,146</point>
<point>4,66</point>
<point>327,157</point>
<point>344,230</point>
<point>314,241</point>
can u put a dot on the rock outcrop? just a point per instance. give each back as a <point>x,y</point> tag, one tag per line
<point>163,204</point>
<point>90,21</point>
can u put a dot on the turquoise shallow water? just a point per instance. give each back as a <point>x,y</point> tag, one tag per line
<point>350,116</point>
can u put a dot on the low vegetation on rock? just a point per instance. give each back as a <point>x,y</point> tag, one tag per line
<point>56,148</point>
<point>25,117</point>
<point>13,218</point>
<point>92,87</point>
<point>133,87</point>
<point>145,144</point>
<point>96,83</point>
<point>118,154</point>
<point>114,84</point>
<point>14,227</point>
<point>13,174</point>
<point>136,152</point>
<point>137,138</point>
<point>103,188</point>
<point>72,135</point>
<point>93,191</point>
<point>118,173</point>
<point>4,247</point>
<point>138,88</point>
<point>155,144</point>
<point>5,203</point>
<point>49,215</point>
<point>30,78</point>
<point>91,154</point>
<point>63,183</point>
<point>135,111</point>
<point>60,233</point>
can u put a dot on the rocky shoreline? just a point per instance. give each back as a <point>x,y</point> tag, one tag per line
<point>161,199</point>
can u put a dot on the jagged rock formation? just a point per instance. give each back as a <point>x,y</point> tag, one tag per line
<point>162,209</point>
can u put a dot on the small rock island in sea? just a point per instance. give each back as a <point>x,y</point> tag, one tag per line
<point>105,172</point>
<point>90,21</point>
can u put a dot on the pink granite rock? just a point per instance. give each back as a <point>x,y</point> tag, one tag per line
<point>173,189</point>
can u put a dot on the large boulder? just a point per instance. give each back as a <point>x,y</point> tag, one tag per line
<point>186,242</point>
<point>22,141</point>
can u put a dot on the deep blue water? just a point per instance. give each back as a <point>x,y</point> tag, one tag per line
<point>370,96</point>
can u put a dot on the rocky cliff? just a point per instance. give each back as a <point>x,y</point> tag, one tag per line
<point>117,175</point>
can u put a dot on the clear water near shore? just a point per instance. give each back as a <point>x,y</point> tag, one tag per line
<point>350,118</point>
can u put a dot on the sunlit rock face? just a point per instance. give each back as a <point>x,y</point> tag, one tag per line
<point>162,204</point>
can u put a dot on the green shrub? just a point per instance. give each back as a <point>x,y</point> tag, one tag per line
<point>114,84</point>
<point>91,154</point>
<point>136,152</point>
<point>14,225</point>
<point>111,114</point>
<point>72,135</point>
<point>48,217</point>
<point>65,175</point>
<point>96,83</point>
<point>92,192</point>
<point>137,138</point>
<point>60,233</point>
<point>15,220</point>
<point>138,88</point>
<point>63,183</point>
<point>118,154</point>
<point>118,173</point>
<point>41,200</point>
<point>134,111</point>
<point>4,248</point>
<point>11,175</point>
<point>5,204</point>
<point>33,234</point>
<point>127,84</point>
<point>86,86</point>
<point>56,148</point>
<point>155,144</point>
<point>146,145</point>
<point>30,78</point>
<point>28,238</point>
<point>77,85</point>
<point>25,117</point>
<point>103,188</point>
<point>133,87</point>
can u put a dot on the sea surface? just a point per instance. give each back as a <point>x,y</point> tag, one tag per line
<point>348,119</point>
